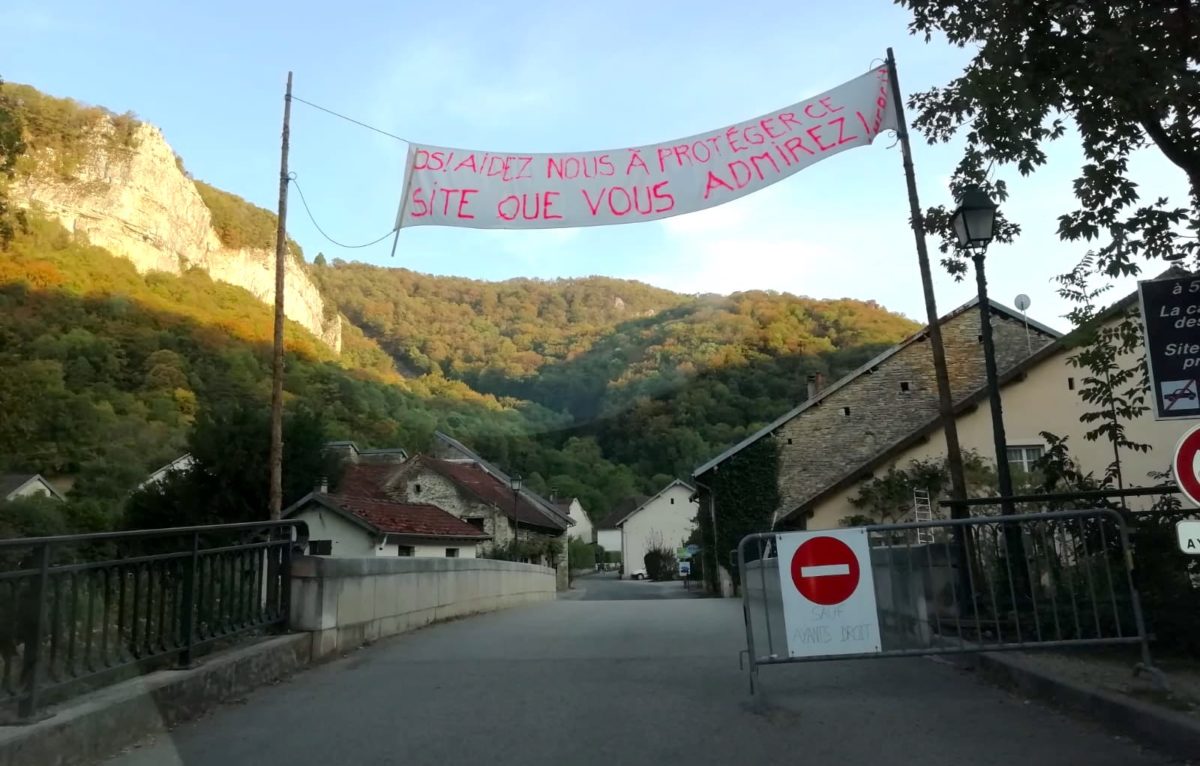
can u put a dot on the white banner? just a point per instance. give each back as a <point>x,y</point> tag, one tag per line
<point>498,190</point>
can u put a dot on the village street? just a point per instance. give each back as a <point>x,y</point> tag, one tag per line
<point>608,680</point>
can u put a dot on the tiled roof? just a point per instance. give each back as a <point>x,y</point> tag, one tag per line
<point>415,519</point>
<point>488,488</point>
<point>452,445</point>
<point>367,479</point>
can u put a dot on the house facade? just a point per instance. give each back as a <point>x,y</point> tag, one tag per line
<point>1039,395</point>
<point>885,416</point>
<point>583,529</point>
<point>665,520</point>
<point>505,518</point>
<point>357,527</point>
<point>829,438</point>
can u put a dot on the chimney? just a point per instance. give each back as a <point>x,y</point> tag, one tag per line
<point>816,382</point>
<point>323,485</point>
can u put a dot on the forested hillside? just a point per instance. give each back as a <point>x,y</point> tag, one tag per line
<point>591,387</point>
<point>661,380</point>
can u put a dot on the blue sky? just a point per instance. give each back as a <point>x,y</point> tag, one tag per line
<point>541,76</point>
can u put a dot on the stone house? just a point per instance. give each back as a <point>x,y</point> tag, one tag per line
<point>476,498</point>
<point>827,441</point>
<point>449,448</point>
<point>1039,394</point>
<point>665,520</point>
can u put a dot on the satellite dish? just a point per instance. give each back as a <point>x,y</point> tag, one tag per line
<point>1022,301</point>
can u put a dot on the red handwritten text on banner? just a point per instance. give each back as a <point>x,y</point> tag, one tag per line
<point>498,190</point>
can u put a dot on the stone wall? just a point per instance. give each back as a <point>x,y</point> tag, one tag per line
<point>423,485</point>
<point>419,484</point>
<point>860,420</point>
<point>344,603</point>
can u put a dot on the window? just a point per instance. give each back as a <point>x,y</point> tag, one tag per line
<point>477,523</point>
<point>404,550</point>
<point>904,386</point>
<point>672,501</point>
<point>1070,384</point>
<point>1022,458</point>
<point>846,412</point>
<point>452,553</point>
<point>416,489</point>
<point>320,547</point>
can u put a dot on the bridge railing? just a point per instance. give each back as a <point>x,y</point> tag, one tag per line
<point>82,611</point>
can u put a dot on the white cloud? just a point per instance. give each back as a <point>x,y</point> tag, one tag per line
<point>534,250</point>
<point>748,244</point>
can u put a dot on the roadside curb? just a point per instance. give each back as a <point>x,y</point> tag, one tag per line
<point>100,724</point>
<point>1174,734</point>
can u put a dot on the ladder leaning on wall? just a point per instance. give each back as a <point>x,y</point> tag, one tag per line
<point>922,511</point>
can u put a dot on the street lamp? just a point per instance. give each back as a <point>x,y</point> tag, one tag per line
<point>514,482</point>
<point>975,226</point>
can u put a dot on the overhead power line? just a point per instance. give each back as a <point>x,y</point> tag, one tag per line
<point>292,178</point>
<point>351,119</point>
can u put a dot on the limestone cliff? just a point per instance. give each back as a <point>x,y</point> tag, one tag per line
<point>135,201</point>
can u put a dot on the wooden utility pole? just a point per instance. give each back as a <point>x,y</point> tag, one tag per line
<point>958,484</point>
<point>276,457</point>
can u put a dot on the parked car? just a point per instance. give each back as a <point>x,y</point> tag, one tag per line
<point>638,574</point>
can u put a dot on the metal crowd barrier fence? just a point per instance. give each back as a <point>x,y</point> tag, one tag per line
<point>79,611</point>
<point>1035,581</point>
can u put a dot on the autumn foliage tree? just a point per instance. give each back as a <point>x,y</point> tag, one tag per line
<point>1115,76</point>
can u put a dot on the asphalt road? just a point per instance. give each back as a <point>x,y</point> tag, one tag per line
<point>608,586</point>
<point>588,683</point>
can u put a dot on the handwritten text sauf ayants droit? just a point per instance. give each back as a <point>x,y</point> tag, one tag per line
<point>477,189</point>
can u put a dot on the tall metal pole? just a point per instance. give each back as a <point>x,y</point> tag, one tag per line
<point>1013,543</point>
<point>276,456</point>
<point>1003,472</point>
<point>958,484</point>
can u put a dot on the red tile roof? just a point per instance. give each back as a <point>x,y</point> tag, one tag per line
<point>367,479</point>
<point>491,490</point>
<point>416,519</point>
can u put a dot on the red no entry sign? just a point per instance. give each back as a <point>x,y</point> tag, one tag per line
<point>825,571</point>
<point>1187,474</point>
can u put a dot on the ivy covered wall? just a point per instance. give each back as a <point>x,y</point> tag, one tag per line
<point>744,492</point>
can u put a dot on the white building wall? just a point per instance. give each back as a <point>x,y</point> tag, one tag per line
<point>583,529</point>
<point>352,541</point>
<point>431,550</point>
<point>349,539</point>
<point>667,519</point>
<point>32,489</point>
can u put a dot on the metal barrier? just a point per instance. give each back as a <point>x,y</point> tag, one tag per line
<point>958,586</point>
<point>79,611</point>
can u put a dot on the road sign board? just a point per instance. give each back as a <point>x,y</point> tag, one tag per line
<point>1171,319</point>
<point>825,570</point>
<point>1188,533</point>
<point>828,593</point>
<point>1186,464</point>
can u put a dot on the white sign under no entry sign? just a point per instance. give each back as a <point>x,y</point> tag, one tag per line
<point>828,593</point>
